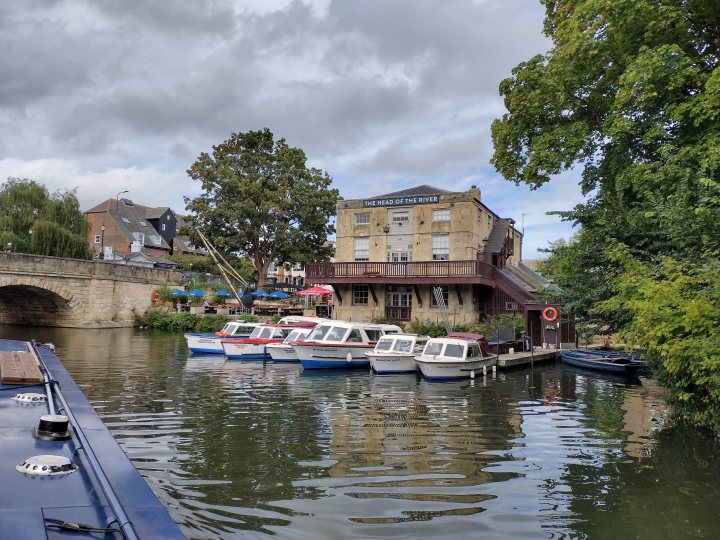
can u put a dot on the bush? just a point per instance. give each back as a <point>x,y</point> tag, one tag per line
<point>212,323</point>
<point>185,321</point>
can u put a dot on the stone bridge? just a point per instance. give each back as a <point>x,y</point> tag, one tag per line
<point>52,291</point>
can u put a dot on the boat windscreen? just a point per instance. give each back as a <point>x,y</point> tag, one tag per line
<point>336,334</point>
<point>373,335</point>
<point>403,345</point>
<point>319,332</point>
<point>473,351</point>
<point>383,345</point>
<point>453,350</point>
<point>433,348</point>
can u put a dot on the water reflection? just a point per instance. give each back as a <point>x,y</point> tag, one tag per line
<point>252,449</point>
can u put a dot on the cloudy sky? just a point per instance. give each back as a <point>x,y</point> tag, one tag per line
<point>112,95</point>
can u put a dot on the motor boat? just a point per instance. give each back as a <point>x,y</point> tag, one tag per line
<point>395,353</point>
<point>459,355</point>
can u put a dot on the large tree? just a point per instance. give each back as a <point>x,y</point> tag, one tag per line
<point>34,221</point>
<point>261,200</point>
<point>629,93</point>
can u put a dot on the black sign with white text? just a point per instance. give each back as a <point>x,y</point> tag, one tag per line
<point>402,201</point>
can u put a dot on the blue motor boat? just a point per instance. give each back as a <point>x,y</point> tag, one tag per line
<point>65,475</point>
<point>603,361</point>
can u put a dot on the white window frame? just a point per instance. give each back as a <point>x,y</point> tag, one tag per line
<point>362,248</point>
<point>445,293</point>
<point>163,226</point>
<point>441,214</point>
<point>362,218</point>
<point>441,247</point>
<point>360,295</point>
<point>97,238</point>
<point>402,216</point>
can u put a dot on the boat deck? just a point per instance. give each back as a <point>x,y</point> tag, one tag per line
<point>29,504</point>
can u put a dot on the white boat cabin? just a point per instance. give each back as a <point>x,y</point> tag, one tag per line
<point>348,332</point>
<point>401,343</point>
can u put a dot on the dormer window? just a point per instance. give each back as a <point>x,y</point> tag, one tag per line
<point>143,224</point>
<point>125,220</point>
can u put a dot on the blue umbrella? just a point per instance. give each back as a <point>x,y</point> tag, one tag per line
<point>222,292</point>
<point>279,294</point>
<point>179,292</point>
<point>197,292</point>
<point>260,293</point>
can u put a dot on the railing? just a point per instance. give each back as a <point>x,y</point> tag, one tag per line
<point>425,269</point>
<point>398,313</point>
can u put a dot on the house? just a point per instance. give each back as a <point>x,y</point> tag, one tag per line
<point>182,245</point>
<point>427,253</point>
<point>119,227</point>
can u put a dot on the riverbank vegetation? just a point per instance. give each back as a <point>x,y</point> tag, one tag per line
<point>630,93</point>
<point>162,319</point>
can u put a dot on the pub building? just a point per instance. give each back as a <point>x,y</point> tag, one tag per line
<point>410,254</point>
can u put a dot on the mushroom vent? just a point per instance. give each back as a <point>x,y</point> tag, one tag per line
<point>31,398</point>
<point>46,465</point>
<point>52,427</point>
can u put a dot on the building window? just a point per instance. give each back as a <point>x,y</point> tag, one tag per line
<point>97,238</point>
<point>441,214</point>
<point>362,219</point>
<point>163,226</point>
<point>360,295</point>
<point>398,256</point>
<point>444,292</point>
<point>142,224</point>
<point>401,217</point>
<point>125,220</point>
<point>362,248</point>
<point>440,247</point>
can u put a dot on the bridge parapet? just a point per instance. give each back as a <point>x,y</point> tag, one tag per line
<point>55,291</point>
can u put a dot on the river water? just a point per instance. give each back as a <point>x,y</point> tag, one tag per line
<point>246,450</point>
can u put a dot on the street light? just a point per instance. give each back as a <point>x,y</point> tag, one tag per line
<point>30,231</point>
<point>102,242</point>
<point>117,198</point>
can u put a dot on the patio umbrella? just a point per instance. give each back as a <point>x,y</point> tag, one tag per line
<point>314,291</point>
<point>260,293</point>
<point>279,294</point>
<point>222,292</point>
<point>179,292</point>
<point>197,292</point>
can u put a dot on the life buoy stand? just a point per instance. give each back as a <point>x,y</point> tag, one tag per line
<point>550,314</point>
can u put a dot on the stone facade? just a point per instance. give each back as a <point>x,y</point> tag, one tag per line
<point>52,291</point>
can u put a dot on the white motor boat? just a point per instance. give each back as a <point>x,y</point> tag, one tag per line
<point>285,352</point>
<point>254,347</point>
<point>459,355</point>
<point>210,343</point>
<point>395,353</point>
<point>340,344</point>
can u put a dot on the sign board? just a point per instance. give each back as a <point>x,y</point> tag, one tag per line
<point>402,201</point>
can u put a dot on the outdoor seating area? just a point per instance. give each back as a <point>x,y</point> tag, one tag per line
<point>267,304</point>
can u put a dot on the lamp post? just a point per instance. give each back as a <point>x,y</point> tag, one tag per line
<point>117,216</point>
<point>102,242</point>
<point>30,232</point>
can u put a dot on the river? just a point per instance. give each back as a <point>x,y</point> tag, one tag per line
<point>246,450</point>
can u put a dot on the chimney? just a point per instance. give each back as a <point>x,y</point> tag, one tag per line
<point>475,192</point>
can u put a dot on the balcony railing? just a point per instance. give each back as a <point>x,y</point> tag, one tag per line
<point>423,269</point>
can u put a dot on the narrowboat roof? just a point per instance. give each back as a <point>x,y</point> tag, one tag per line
<point>96,485</point>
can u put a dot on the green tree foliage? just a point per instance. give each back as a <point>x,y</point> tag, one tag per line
<point>675,311</point>
<point>34,221</point>
<point>260,199</point>
<point>630,92</point>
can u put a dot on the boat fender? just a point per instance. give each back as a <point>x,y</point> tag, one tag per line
<point>550,314</point>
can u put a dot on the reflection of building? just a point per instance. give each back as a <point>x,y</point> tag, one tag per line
<point>393,251</point>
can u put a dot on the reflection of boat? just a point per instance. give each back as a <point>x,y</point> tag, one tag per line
<point>455,356</point>
<point>284,352</point>
<point>619,363</point>
<point>395,353</point>
<point>210,343</point>
<point>65,474</point>
<point>340,344</point>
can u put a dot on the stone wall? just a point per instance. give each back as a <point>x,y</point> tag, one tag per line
<point>53,291</point>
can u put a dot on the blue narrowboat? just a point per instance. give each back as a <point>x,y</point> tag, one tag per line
<point>64,475</point>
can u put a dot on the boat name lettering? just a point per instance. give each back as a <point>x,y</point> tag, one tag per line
<point>402,201</point>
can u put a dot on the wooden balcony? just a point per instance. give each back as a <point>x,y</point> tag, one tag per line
<point>423,272</point>
<point>398,313</point>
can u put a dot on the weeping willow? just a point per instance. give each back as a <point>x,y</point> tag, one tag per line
<point>34,221</point>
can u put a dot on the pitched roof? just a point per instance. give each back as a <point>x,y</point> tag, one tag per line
<point>131,221</point>
<point>155,213</point>
<point>414,191</point>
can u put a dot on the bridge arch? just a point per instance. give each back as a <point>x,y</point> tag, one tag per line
<point>34,301</point>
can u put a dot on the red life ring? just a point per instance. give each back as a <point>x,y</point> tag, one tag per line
<point>550,314</point>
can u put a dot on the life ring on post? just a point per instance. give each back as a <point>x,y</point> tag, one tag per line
<point>550,314</point>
